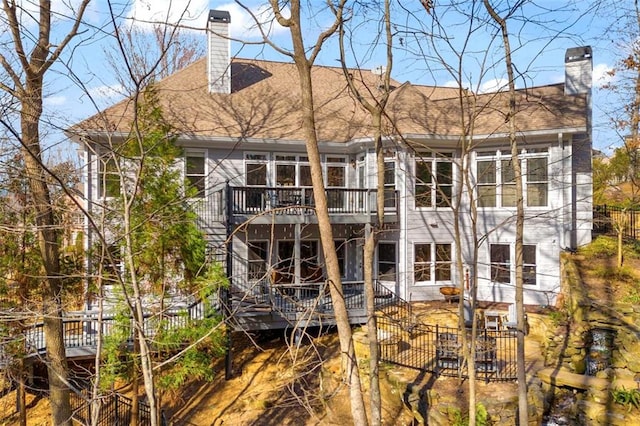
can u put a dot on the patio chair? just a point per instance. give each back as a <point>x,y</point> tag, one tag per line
<point>492,320</point>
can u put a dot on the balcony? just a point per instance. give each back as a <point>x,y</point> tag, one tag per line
<point>297,205</point>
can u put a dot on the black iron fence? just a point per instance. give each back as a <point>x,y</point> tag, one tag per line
<point>439,350</point>
<point>113,409</point>
<point>608,219</point>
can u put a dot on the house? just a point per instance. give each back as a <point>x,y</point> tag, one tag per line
<point>239,125</point>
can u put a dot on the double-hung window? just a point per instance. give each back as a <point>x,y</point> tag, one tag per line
<point>496,182</point>
<point>433,180</point>
<point>336,181</point>
<point>195,173</point>
<point>387,261</point>
<point>503,268</point>
<point>537,181</point>
<point>432,263</point>
<point>108,177</point>
<point>501,263</point>
<point>255,172</point>
<point>390,180</point>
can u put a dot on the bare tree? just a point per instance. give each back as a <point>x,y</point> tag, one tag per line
<point>26,70</point>
<point>304,65</point>
<point>374,101</point>
<point>523,414</point>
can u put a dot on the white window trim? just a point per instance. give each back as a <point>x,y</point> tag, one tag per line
<point>377,269</point>
<point>512,266</point>
<point>265,161</point>
<point>204,153</point>
<point>498,158</point>
<point>432,265</point>
<point>434,158</point>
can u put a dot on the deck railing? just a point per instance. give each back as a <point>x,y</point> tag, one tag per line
<point>81,328</point>
<point>247,200</point>
<point>294,298</point>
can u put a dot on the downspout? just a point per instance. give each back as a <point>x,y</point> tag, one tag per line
<point>402,216</point>
<point>87,190</point>
<point>563,182</point>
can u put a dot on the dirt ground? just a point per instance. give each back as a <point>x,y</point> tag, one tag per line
<point>276,386</point>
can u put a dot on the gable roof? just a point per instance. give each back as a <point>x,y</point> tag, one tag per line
<point>264,103</point>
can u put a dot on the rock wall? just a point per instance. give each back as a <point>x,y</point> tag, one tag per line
<point>567,352</point>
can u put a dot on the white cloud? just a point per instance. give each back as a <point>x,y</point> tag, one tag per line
<point>191,13</point>
<point>107,95</point>
<point>494,85</point>
<point>243,25</point>
<point>55,100</point>
<point>601,75</point>
<point>194,13</point>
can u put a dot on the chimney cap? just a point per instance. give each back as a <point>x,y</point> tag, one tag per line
<point>221,16</point>
<point>575,54</point>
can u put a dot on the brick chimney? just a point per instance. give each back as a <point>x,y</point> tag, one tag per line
<point>578,65</point>
<point>219,52</point>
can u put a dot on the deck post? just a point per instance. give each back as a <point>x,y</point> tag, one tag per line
<point>226,292</point>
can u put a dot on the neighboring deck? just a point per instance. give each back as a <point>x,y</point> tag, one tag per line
<point>273,307</point>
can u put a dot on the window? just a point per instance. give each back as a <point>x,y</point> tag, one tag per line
<point>496,184</point>
<point>487,183</point>
<point>529,264</point>
<point>255,168</point>
<point>257,257</point>
<point>309,252</point>
<point>433,189</point>
<point>389,182</point>
<point>341,252</point>
<point>336,178</point>
<point>108,177</point>
<point>508,180</point>
<point>501,266</point>
<point>537,182</point>
<point>500,263</point>
<point>387,261</point>
<point>422,262</point>
<point>195,173</point>
<point>432,260</point>
<point>443,262</point>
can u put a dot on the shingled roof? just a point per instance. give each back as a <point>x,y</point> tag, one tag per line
<point>264,103</point>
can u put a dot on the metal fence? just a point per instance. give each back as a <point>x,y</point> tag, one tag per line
<point>606,217</point>
<point>438,350</point>
<point>114,409</point>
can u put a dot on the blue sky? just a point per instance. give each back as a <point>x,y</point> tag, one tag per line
<point>538,50</point>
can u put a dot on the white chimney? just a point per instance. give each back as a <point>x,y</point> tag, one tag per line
<point>219,52</point>
<point>578,65</point>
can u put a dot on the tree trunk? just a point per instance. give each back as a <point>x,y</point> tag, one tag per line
<point>523,415</point>
<point>48,243</point>
<point>620,233</point>
<point>303,65</point>
<point>350,363</point>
